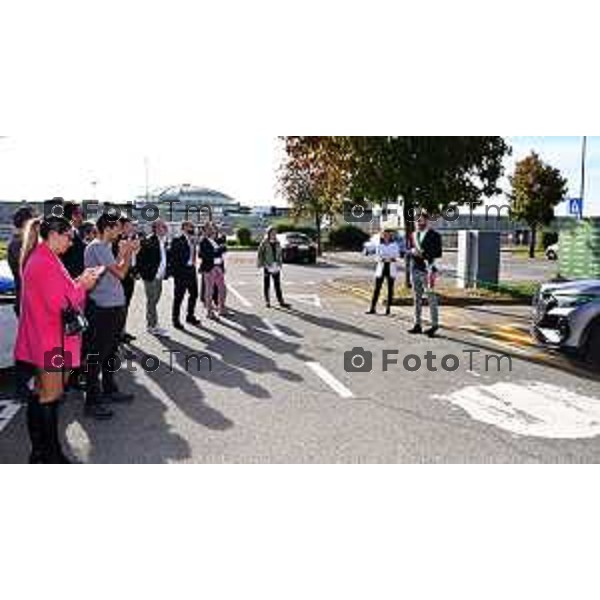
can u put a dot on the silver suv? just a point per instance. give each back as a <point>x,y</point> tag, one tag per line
<point>566,316</point>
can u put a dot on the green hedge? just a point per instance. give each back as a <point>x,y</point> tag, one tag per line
<point>348,237</point>
<point>244,236</point>
<point>516,289</point>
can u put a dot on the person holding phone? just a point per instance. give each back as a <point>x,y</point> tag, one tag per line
<point>106,312</point>
<point>48,291</point>
<point>270,260</point>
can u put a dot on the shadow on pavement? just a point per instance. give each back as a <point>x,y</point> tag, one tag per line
<point>237,358</point>
<point>138,432</point>
<point>182,387</point>
<point>329,323</point>
<point>254,328</point>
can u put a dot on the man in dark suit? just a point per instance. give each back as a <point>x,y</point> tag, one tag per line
<point>73,258</point>
<point>425,247</point>
<point>152,267</point>
<point>183,260</point>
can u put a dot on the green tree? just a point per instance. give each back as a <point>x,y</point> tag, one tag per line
<point>537,188</point>
<point>430,173</point>
<point>314,177</point>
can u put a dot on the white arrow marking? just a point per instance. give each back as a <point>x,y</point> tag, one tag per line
<point>531,409</point>
<point>310,299</point>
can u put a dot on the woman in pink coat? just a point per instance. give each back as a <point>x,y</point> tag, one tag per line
<point>47,290</point>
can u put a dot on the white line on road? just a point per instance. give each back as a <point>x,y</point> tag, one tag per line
<point>8,409</point>
<point>337,386</point>
<point>274,329</point>
<point>241,298</point>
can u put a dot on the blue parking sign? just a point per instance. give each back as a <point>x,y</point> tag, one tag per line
<point>576,206</point>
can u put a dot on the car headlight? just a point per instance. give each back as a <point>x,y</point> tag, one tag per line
<point>575,301</point>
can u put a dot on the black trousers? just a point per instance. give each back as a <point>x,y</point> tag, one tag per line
<point>128,288</point>
<point>185,281</point>
<point>267,286</point>
<point>101,344</point>
<point>23,374</point>
<point>379,284</point>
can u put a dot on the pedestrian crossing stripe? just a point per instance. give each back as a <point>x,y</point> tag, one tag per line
<point>8,409</point>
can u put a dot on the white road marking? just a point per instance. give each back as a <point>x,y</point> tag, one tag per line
<point>274,329</point>
<point>337,386</point>
<point>311,299</point>
<point>530,409</point>
<point>474,373</point>
<point>241,298</point>
<point>8,409</point>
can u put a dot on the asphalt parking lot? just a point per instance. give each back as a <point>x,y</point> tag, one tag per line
<point>278,389</point>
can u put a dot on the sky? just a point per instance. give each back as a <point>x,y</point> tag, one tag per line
<point>242,166</point>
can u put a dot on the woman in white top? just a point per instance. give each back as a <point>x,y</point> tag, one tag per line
<point>387,254</point>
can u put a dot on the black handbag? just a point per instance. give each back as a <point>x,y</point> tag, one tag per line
<point>74,321</point>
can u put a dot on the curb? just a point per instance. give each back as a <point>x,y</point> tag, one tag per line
<point>516,344</point>
<point>445,300</point>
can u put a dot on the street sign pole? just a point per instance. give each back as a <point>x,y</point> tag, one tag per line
<point>583,161</point>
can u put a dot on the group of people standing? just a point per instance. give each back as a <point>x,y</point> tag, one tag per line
<point>424,247</point>
<point>74,287</point>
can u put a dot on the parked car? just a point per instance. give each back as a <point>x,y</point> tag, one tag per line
<point>8,321</point>
<point>297,247</point>
<point>566,316</point>
<point>552,252</point>
<point>370,246</point>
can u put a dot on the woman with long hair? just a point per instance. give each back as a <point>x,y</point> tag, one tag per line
<point>47,292</point>
<point>387,253</point>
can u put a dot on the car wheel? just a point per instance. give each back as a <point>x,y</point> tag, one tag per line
<point>592,353</point>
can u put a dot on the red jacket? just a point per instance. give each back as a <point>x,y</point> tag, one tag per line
<point>46,290</point>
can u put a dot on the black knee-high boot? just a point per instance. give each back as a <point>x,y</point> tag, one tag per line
<point>35,429</point>
<point>53,453</point>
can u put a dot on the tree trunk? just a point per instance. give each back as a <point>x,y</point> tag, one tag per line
<point>533,241</point>
<point>318,228</point>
